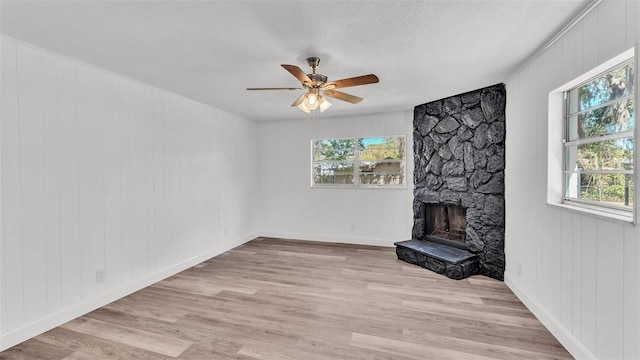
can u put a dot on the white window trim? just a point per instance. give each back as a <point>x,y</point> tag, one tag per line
<point>555,151</point>
<point>356,180</point>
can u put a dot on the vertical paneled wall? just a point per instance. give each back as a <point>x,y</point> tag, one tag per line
<point>103,174</point>
<point>292,209</point>
<point>578,273</point>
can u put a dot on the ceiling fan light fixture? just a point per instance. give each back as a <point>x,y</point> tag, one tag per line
<point>303,106</point>
<point>311,98</point>
<point>311,101</point>
<point>323,103</point>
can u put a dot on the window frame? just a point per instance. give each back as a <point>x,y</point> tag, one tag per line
<point>556,156</point>
<point>356,165</point>
<point>595,139</point>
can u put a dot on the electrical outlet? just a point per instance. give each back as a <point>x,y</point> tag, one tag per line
<point>100,275</point>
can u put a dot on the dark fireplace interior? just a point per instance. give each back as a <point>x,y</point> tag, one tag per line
<point>446,222</point>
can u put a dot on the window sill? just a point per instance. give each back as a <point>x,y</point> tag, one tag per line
<point>388,187</point>
<point>612,215</point>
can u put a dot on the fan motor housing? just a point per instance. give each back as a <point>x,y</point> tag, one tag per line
<point>318,79</point>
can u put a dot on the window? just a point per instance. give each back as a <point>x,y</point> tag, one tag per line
<point>598,137</point>
<point>363,162</point>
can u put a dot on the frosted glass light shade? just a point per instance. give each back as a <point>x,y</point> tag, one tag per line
<point>311,101</point>
<point>303,107</point>
<point>323,104</point>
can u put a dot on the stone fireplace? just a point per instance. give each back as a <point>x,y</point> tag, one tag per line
<point>459,177</point>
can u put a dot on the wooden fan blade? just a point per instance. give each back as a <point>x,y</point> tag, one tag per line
<point>298,73</point>
<point>274,88</point>
<point>299,100</point>
<point>342,96</point>
<point>354,81</point>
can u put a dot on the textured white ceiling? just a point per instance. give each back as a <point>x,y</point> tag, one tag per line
<point>210,51</point>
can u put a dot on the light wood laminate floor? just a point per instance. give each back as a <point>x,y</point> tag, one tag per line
<point>283,299</point>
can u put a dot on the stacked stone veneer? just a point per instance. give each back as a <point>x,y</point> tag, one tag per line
<point>459,160</point>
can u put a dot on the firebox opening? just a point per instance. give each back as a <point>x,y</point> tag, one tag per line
<point>446,222</point>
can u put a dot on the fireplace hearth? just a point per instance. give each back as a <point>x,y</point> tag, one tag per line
<point>447,260</point>
<point>459,182</point>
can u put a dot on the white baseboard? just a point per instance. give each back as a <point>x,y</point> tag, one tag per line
<point>564,336</point>
<point>53,320</point>
<point>329,238</point>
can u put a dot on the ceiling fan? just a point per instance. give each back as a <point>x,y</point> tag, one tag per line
<point>318,85</point>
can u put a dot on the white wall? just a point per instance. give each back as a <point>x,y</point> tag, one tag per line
<point>579,274</point>
<point>99,172</point>
<point>292,209</point>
